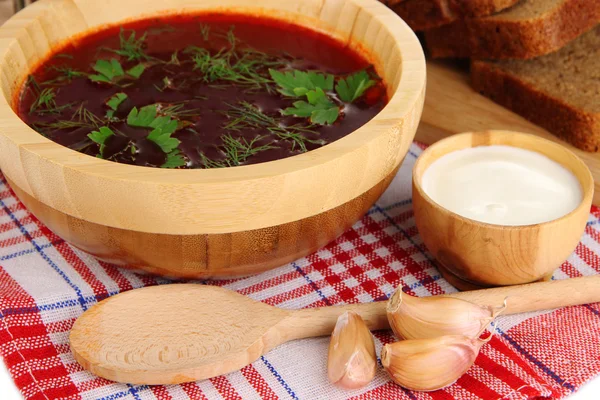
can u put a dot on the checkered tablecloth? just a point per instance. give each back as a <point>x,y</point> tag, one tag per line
<point>45,284</point>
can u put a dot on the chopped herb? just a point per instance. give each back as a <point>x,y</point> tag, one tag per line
<point>204,31</point>
<point>319,108</point>
<point>46,103</point>
<point>163,139</point>
<point>67,74</point>
<point>116,100</point>
<point>83,115</point>
<point>107,71</point>
<point>136,71</point>
<point>33,84</point>
<point>246,116</point>
<point>208,163</point>
<point>175,58</point>
<point>239,150</point>
<point>298,83</point>
<point>130,47</point>
<point>353,86</point>
<point>177,110</point>
<point>100,136</point>
<point>296,137</point>
<point>44,100</point>
<point>174,160</point>
<point>162,126</point>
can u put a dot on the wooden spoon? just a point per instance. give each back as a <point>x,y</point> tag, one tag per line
<point>185,332</point>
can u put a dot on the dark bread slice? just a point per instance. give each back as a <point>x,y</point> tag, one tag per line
<point>529,29</point>
<point>558,91</point>
<point>426,14</point>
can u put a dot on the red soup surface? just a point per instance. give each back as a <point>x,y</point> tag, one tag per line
<point>201,91</point>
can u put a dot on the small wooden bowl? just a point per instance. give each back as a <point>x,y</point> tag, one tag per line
<point>474,254</point>
<point>209,223</point>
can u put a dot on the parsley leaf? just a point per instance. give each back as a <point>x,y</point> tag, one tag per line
<point>319,108</point>
<point>353,86</point>
<point>142,118</point>
<point>114,102</point>
<point>174,160</point>
<point>100,136</point>
<point>136,71</point>
<point>164,140</point>
<point>298,83</point>
<point>107,71</point>
<point>162,127</point>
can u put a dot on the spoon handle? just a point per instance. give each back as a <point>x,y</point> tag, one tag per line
<point>539,296</point>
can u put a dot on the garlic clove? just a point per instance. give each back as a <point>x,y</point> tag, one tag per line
<point>429,317</point>
<point>352,361</point>
<point>430,364</point>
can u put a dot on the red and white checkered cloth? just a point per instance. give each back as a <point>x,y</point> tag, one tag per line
<point>45,284</point>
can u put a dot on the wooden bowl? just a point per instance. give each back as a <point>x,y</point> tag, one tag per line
<point>474,254</point>
<point>209,223</point>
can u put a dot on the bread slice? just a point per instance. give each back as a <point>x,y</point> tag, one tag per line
<point>558,91</point>
<point>426,14</point>
<point>529,29</point>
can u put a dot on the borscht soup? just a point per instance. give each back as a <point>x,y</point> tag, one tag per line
<point>201,91</point>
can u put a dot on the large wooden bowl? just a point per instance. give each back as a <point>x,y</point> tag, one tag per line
<point>209,223</point>
<point>473,254</point>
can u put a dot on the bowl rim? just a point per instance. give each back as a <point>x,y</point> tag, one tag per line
<point>401,101</point>
<point>587,189</point>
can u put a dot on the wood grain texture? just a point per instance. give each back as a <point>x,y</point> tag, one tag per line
<point>206,256</point>
<point>181,333</point>
<point>452,106</point>
<point>472,253</point>
<point>236,216</point>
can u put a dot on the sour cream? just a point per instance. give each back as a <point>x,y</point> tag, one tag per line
<point>502,185</point>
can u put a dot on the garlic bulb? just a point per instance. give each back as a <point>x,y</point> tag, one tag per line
<point>430,364</point>
<point>429,317</point>
<point>352,360</point>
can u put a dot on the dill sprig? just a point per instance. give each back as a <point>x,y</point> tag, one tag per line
<point>82,118</point>
<point>239,66</point>
<point>238,150</point>
<point>204,31</point>
<point>131,48</point>
<point>176,110</point>
<point>83,115</point>
<point>247,116</point>
<point>45,103</point>
<point>66,74</point>
<point>209,163</point>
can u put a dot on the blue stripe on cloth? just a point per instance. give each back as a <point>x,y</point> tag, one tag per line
<point>537,362</point>
<point>134,391</point>
<point>279,378</point>
<point>406,235</point>
<point>311,283</point>
<point>402,203</point>
<point>124,393</point>
<point>29,251</point>
<point>49,261</point>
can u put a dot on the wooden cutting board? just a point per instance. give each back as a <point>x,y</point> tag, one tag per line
<point>452,106</point>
